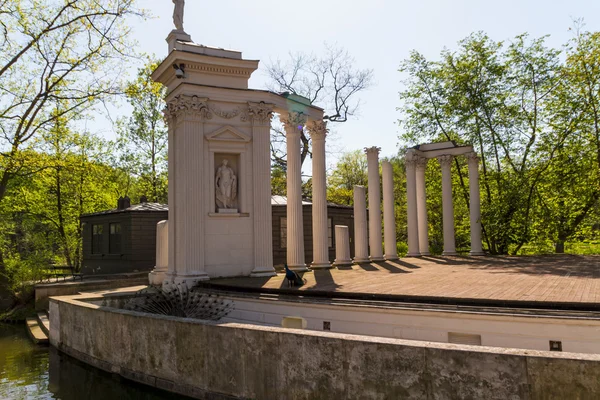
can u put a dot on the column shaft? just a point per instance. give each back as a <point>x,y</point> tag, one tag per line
<point>411,204</point>
<point>318,131</point>
<point>422,207</point>
<point>474,205</point>
<point>361,241</point>
<point>171,198</point>
<point>447,205</point>
<point>295,228</point>
<point>375,240</point>
<point>389,212</point>
<point>157,276</point>
<point>342,246</point>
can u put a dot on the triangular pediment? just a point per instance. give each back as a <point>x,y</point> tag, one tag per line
<point>228,134</point>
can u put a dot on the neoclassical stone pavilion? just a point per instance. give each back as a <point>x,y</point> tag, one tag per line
<point>416,161</point>
<point>219,166</point>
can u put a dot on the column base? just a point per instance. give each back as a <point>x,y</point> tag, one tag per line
<point>321,265</point>
<point>413,255</point>
<point>298,267</point>
<point>342,263</point>
<point>190,280</point>
<point>425,253</point>
<point>361,260</point>
<point>261,272</point>
<point>449,253</point>
<point>157,277</point>
<point>376,258</point>
<point>477,253</point>
<point>392,257</point>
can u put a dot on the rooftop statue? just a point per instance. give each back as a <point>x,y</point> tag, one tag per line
<point>178,14</point>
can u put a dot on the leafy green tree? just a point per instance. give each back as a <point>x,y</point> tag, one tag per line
<point>350,170</point>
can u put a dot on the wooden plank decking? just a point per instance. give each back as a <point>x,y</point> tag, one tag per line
<point>549,279</point>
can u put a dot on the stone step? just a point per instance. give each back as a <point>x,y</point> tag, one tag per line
<point>35,332</point>
<point>44,322</point>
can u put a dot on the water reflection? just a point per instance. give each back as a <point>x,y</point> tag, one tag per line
<point>28,371</point>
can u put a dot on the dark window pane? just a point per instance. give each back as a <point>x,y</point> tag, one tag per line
<point>97,231</point>
<point>114,239</point>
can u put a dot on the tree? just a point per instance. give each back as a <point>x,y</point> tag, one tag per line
<point>331,82</point>
<point>351,170</point>
<point>144,137</point>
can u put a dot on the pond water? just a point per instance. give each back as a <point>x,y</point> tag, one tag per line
<point>29,371</point>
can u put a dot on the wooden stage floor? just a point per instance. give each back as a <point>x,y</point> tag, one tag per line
<point>560,280</point>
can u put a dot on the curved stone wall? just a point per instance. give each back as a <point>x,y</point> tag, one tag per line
<point>212,360</point>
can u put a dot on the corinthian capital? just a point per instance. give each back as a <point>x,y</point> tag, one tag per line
<point>317,130</point>
<point>411,159</point>
<point>421,162</point>
<point>293,122</point>
<point>187,106</point>
<point>372,150</point>
<point>261,112</point>
<point>445,160</point>
<point>472,157</point>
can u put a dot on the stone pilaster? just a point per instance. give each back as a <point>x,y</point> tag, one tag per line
<point>375,240</point>
<point>361,241</point>
<point>293,124</point>
<point>389,212</point>
<point>422,206</point>
<point>158,274</point>
<point>342,246</point>
<point>260,115</point>
<point>474,205</point>
<point>318,132</point>
<point>447,205</point>
<point>412,222</point>
<point>186,116</point>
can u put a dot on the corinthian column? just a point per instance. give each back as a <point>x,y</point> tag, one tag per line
<point>342,246</point>
<point>411,204</point>
<point>422,206</point>
<point>389,212</point>
<point>186,116</point>
<point>318,131</point>
<point>375,245</point>
<point>474,205</point>
<point>260,115</point>
<point>293,124</point>
<point>361,241</point>
<point>447,206</point>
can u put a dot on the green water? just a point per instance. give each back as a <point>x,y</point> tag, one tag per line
<point>29,371</point>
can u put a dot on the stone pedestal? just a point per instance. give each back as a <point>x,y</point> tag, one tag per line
<point>158,274</point>
<point>389,212</point>
<point>361,241</point>
<point>375,240</point>
<point>177,36</point>
<point>342,246</point>
<point>318,132</point>
<point>447,205</point>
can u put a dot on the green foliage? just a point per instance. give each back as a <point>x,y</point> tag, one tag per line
<point>350,170</point>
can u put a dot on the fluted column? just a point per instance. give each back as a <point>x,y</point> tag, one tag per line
<point>293,124</point>
<point>342,246</point>
<point>474,205</point>
<point>375,240</point>
<point>422,206</point>
<point>389,212</point>
<point>361,241</point>
<point>411,204</point>
<point>188,114</point>
<point>172,188</point>
<point>447,205</point>
<point>157,276</point>
<point>318,132</point>
<point>260,115</point>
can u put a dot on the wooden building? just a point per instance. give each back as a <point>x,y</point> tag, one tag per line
<point>124,239</point>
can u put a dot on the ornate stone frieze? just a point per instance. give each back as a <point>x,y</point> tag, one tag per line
<point>445,160</point>
<point>187,106</point>
<point>372,150</point>
<point>317,130</point>
<point>293,122</point>
<point>260,113</point>
<point>224,114</point>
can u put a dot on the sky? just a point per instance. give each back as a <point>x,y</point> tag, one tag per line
<point>379,34</point>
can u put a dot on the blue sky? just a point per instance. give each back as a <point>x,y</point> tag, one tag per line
<point>379,34</point>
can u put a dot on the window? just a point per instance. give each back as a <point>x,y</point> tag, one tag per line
<point>114,239</point>
<point>97,239</point>
<point>283,232</point>
<point>329,232</point>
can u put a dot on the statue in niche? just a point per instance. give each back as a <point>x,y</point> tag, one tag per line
<point>178,14</point>
<point>225,186</point>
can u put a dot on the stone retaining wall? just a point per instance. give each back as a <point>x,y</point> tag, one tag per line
<point>208,360</point>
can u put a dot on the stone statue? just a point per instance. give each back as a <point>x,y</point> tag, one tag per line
<point>178,14</point>
<point>225,185</point>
